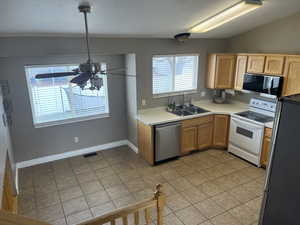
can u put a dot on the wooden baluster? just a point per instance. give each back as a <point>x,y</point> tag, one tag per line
<point>113,222</point>
<point>136,218</point>
<point>148,216</point>
<point>161,201</point>
<point>125,220</point>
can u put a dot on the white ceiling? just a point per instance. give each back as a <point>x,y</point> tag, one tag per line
<point>131,18</point>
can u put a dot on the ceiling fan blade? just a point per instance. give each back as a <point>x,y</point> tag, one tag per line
<point>53,75</point>
<point>81,79</point>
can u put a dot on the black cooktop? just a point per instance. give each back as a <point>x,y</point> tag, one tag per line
<point>256,116</point>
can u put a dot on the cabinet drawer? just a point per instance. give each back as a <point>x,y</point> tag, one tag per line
<point>197,121</point>
<point>268,132</point>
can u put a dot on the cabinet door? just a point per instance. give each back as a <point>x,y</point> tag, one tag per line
<point>291,83</point>
<point>225,71</point>
<point>221,126</point>
<point>240,70</point>
<point>265,152</point>
<point>256,64</point>
<point>189,139</point>
<point>274,65</point>
<point>205,134</point>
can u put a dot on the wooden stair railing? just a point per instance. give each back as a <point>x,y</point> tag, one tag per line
<point>157,202</point>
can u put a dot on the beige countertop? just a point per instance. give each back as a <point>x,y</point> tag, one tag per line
<point>159,115</point>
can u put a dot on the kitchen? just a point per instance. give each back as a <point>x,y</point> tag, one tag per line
<point>244,129</point>
<point>200,116</point>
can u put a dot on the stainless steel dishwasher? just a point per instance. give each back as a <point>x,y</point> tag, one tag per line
<point>167,141</point>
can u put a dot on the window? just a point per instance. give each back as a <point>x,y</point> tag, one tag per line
<point>56,100</point>
<point>174,73</point>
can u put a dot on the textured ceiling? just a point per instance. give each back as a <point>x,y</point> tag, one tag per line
<point>131,18</point>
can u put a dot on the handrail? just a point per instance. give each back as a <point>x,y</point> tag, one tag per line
<point>158,202</point>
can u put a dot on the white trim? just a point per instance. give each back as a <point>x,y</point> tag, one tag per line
<point>78,152</point>
<point>132,146</point>
<point>175,93</point>
<point>71,120</point>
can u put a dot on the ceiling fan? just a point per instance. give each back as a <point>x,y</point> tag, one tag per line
<point>89,70</point>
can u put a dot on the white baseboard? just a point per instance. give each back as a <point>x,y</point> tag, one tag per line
<point>132,146</point>
<point>83,151</point>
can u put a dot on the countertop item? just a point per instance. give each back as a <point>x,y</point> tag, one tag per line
<point>159,115</point>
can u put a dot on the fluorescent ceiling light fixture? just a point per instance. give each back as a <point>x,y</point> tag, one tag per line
<point>237,10</point>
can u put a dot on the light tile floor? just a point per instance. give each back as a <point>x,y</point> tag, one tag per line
<point>209,187</point>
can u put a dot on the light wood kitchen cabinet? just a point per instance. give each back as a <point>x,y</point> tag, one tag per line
<point>240,70</point>
<point>256,63</point>
<point>221,69</point>
<point>9,198</point>
<point>189,139</point>
<point>274,64</point>
<point>145,142</point>
<point>221,130</point>
<point>205,134</point>
<point>291,84</point>
<point>196,134</point>
<point>266,147</point>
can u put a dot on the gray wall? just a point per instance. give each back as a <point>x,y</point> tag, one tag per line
<point>143,48</point>
<point>281,36</point>
<point>30,143</point>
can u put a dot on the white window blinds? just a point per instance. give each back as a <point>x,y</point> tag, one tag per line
<point>174,73</point>
<point>56,100</point>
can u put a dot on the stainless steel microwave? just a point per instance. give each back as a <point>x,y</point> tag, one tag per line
<point>261,83</point>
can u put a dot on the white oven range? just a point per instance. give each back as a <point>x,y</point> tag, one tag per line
<point>247,129</point>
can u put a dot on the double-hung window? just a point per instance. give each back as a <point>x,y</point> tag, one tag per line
<point>55,100</point>
<point>172,74</point>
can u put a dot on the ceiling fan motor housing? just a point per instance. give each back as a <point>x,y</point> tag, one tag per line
<point>89,67</point>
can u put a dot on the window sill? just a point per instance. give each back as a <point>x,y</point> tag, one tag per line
<point>174,94</point>
<point>72,120</point>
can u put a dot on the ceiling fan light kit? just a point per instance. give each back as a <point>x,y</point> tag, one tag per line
<point>228,14</point>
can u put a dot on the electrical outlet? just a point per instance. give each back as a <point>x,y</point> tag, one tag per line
<point>203,93</point>
<point>143,102</point>
<point>76,139</point>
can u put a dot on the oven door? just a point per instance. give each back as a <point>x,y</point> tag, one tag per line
<point>246,135</point>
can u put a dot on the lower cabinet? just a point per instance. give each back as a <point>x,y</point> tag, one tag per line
<point>221,130</point>
<point>188,139</point>
<point>9,199</point>
<point>205,135</point>
<point>266,147</point>
<point>196,134</point>
<point>145,142</point>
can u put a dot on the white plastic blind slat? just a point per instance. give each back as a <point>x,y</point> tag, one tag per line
<point>55,99</point>
<point>174,73</point>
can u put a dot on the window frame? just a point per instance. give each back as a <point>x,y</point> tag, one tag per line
<point>37,124</point>
<point>174,93</point>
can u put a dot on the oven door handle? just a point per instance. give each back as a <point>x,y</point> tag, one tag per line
<point>239,122</point>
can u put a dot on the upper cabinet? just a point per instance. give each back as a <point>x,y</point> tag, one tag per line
<point>256,63</point>
<point>274,64</point>
<point>221,68</point>
<point>291,84</point>
<point>240,70</point>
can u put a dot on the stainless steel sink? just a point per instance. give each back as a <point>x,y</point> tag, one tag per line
<point>187,110</point>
